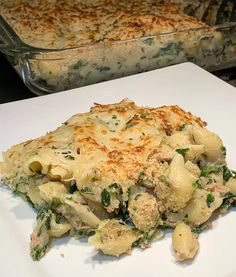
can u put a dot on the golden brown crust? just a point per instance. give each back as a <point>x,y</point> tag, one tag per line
<point>50,24</point>
<point>110,144</point>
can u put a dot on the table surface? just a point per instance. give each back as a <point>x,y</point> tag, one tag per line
<point>12,87</point>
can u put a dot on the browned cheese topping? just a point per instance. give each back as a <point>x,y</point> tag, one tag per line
<point>63,24</point>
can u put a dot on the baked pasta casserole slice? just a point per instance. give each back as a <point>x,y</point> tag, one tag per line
<point>119,174</point>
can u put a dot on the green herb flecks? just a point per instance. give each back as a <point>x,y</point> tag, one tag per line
<point>197,230</point>
<point>165,180</point>
<point>42,213</point>
<point>130,124</point>
<point>197,185</point>
<point>38,251</point>
<point>228,200</point>
<point>106,198</point>
<point>86,190</point>
<point>205,171</point>
<point>223,149</point>
<point>79,64</point>
<point>59,218</point>
<point>55,202</point>
<point>103,68</point>
<point>145,239</point>
<point>210,199</point>
<point>81,233</point>
<point>143,116</point>
<point>227,173</point>
<point>141,173</point>
<point>171,51</point>
<point>45,221</point>
<point>115,188</point>
<point>48,222</point>
<point>141,176</point>
<point>215,169</point>
<point>182,127</point>
<point>182,151</point>
<point>123,215</point>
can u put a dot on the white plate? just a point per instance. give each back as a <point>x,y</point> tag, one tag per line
<point>186,85</point>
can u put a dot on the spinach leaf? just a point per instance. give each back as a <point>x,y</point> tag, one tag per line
<point>227,173</point>
<point>106,198</point>
<point>229,198</point>
<point>86,190</point>
<point>103,68</point>
<point>182,151</point>
<point>210,199</point>
<point>58,218</point>
<point>38,251</point>
<point>79,64</point>
<point>198,229</point>
<point>197,185</point>
<point>55,202</point>
<point>204,172</point>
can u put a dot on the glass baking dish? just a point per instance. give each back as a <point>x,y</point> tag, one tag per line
<point>51,70</point>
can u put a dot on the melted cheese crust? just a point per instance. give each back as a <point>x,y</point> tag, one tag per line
<point>110,144</point>
<point>61,24</point>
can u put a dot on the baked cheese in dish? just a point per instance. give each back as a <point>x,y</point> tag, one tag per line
<point>62,24</point>
<point>120,174</point>
<point>85,42</point>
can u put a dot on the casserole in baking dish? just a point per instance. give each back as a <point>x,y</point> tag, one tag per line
<point>58,45</point>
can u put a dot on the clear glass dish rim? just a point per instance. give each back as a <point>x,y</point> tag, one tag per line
<point>16,45</point>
